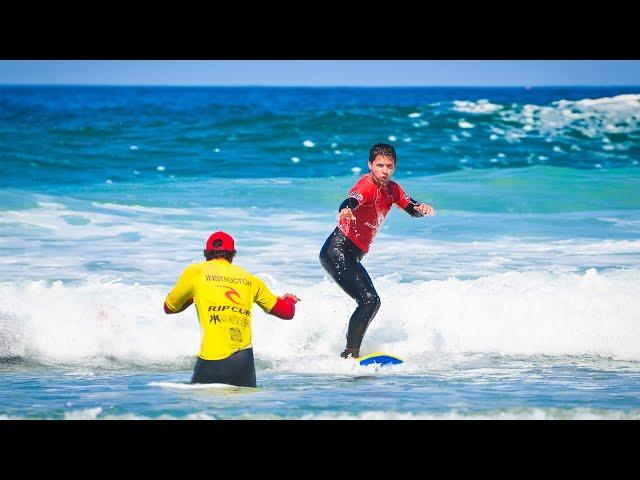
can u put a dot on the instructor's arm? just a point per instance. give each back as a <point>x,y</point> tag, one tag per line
<point>285,306</point>
<point>182,309</point>
<point>182,294</point>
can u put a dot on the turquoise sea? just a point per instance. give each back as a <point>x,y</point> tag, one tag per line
<point>520,299</point>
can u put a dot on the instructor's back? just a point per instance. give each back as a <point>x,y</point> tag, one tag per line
<point>224,295</point>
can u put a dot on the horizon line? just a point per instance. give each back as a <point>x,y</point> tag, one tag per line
<point>519,85</point>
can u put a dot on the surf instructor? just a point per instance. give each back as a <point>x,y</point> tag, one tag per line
<point>224,295</point>
<point>360,217</point>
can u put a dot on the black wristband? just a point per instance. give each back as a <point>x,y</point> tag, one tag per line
<point>411,209</point>
<point>350,202</point>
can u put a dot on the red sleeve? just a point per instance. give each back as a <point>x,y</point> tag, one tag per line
<point>284,309</point>
<point>399,197</point>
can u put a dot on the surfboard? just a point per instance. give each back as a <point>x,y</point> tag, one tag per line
<point>379,358</point>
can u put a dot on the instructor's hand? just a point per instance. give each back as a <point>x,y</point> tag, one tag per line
<point>291,296</point>
<point>425,209</point>
<point>347,213</point>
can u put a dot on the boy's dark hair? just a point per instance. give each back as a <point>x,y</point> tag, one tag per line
<point>383,149</point>
<point>211,254</point>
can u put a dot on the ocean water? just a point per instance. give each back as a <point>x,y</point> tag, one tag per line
<point>520,299</point>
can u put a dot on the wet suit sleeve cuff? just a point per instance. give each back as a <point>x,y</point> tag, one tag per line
<point>350,202</point>
<point>411,209</point>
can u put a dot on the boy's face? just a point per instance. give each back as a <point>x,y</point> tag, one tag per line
<point>382,169</point>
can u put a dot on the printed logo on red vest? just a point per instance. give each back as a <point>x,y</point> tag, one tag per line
<point>356,195</point>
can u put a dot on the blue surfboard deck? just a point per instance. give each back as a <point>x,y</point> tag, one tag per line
<point>379,358</point>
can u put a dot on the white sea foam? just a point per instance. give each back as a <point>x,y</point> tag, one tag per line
<point>153,244</point>
<point>594,118</point>
<point>591,117</point>
<point>196,386</point>
<point>517,413</point>
<point>520,413</point>
<point>84,414</point>
<point>100,318</point>
<point>480,107</point>
<point>516,313</point>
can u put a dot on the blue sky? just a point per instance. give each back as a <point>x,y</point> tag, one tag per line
<point>322,72</point>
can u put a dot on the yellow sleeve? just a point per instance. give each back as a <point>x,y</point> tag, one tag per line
<point>183,290</point>
<point>263,296</point>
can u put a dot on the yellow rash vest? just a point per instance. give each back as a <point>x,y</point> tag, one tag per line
<point>224,295</point>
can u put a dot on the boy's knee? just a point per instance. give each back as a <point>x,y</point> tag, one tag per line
<point>372,300</point>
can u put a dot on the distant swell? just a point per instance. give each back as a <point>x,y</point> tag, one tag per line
<point>96,135</point>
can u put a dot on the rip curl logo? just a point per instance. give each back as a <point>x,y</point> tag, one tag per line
<point>230,293</point>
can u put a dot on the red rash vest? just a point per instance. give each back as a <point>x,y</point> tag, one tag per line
<point>374,203</point>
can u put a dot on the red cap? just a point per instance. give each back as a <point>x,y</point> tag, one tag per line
<point>220,241</point>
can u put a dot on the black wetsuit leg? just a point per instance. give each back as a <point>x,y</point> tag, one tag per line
<point>341,258</point>
<point>237,369</point>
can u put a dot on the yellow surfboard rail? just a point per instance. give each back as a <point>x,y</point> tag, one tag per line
<point>379,354</point>
<point>376,354</point>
